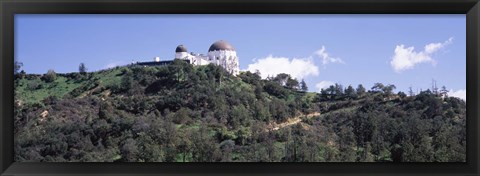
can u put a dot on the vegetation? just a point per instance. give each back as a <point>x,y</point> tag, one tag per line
<point>82,69</point>
<point>182,113</point>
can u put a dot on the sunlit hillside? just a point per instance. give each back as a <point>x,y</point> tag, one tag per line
<point>185,113</point>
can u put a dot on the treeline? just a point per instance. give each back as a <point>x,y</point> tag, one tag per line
<point>181,113</point>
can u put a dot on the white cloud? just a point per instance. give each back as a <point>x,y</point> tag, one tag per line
<point>434,47</point>
<point>326,59</point>
<point>323,85</point>
<point>296,67</point>
<point>406,57</point>
<point>462,94</point>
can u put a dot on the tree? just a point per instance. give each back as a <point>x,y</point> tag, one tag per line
<point>303,86</point>
<point>129,150</point>
<point>346,143</point>
<point>350,92</point>
<point>378,87</point>
<point>275,90</point>
<point>126,82</point>
<point>410,92</point>
<point>181,116</point>
<point>185,145</point>
<point>444,91</point>
<point>271,149</point>
<point>50,76</point>
<point>389,89</point>
<point>282,79</point>
<point>204,148</point>
<point>323,96</point>
<point>82,69</point>
<point>292,83</point>
<point>434,87</point>
<point>18,65</point>
<point>240,117</point>
<point>360,90</point>
<point>226,148</point>
<point>331,92</point>
<point>338,89</point>
<point>257,72</point>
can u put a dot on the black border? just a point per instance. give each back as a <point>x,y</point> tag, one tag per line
<point>10,7</point>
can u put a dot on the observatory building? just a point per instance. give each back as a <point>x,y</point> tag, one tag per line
<point>220,53</point>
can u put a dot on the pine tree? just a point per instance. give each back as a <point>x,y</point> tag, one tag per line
<point>17,67</point>
<point>444,91</point>
<point>410,92</point>
<point>82,69</point>
<point>360,90</point>
<point>303,85</point>
<point>350,92</point>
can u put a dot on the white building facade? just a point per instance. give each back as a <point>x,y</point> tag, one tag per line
<point>220,53</point>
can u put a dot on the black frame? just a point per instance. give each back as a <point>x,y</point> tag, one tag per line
<point>11,7</point>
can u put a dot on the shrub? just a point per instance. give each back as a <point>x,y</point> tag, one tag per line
<point>50,76</point>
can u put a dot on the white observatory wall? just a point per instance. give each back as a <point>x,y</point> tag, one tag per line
<point>225,58</point>
<point>181,55</point>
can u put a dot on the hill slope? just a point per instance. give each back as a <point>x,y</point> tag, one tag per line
<point>185,113</point>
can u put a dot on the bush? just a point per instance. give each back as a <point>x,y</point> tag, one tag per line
<point>50,76</point>
<point>34,85</point>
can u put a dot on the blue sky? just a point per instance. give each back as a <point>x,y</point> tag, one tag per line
<point>322,49</point>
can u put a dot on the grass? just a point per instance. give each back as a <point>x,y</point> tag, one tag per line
<point>309,96</point>
<point>35,90</point>
<point>110,77</point>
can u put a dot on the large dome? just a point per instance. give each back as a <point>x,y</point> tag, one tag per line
<point>180,48</point>
<point>221,45</point>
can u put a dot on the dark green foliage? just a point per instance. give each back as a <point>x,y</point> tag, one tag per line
<point>361,90</point>
<point>82,69</point>
<point>50,76</point>
<point>275,89</point>
<point>378,87</point>
<point>127,82</point>
<point>350,93</point>
<point>17,66</point>
<point>292,84</point>
<point>204,147</point>
<point>303,86</point>
<point>181,113</point>
<point>402,94</point>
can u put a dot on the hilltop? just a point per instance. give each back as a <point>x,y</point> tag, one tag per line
<point>188,113</point>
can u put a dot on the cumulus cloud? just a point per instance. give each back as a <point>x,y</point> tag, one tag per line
<point>296,67</point>
<point>434,47</point>
<point>326,59</point>
<point>462,94</point>
<point>406,57</point>
<point>323,85</point>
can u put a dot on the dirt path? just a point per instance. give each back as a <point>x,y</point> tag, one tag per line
<point>292,121</point>
<point>289,122</point>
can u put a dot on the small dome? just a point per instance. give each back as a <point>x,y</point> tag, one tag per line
<point>180,48</point>
<point>221,45</point>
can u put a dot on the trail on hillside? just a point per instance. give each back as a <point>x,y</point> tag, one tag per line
<point>291,121</point>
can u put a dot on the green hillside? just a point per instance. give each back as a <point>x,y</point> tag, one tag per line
<point>185,113</point>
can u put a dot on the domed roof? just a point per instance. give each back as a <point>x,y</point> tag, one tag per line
<point>221,45</point>
<point>180,48</point>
